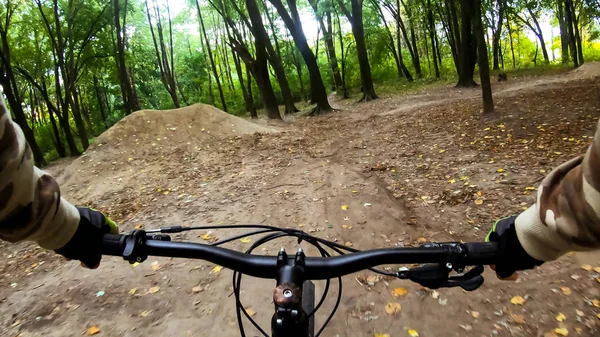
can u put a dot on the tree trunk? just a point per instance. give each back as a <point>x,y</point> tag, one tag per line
<point>100,102</point>
<point>577,35</point>
<point>355,17</point>
<point>210,57</point>
<point>294,25</point>
<point>512,46</point>
<point>260,33</point>
<point>498,34</point>
<point>247,100</point>
<point>467,64</point>
<point>130,101</point>
<point>540,35</point>
<point>327,29</point>
<point>431,28</point>
<point>482,60</point>
<point>564,40</point>
<point>572,43</point>
<point>413,40</point>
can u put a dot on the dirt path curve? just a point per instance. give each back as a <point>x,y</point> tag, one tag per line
<point>403,180</point>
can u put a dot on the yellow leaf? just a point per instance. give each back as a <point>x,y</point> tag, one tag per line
<point>348,244</point>
<point>579,313</point>
<point>598,315</point>
<point>557,153</point>
<point>132,291</point>
<point>138,226</point>
<point>565,290</point>
<point>463,178</point>
<point>145,313</point>
<point>500,170</point>
<point>517,300</point>
<point>250,311</point>
<point>424,197</point>
<point>413,333</point>
<point>586,267</point>
<point>452,181</point>
<point>529,188</point>
<point>153,290</point>
<point>519,319</point>
<point>392,308</point>
<point>155,266</point>
<point>597,269</point>
<point>377,334</point>
<point>596,303</point>
<point>561,331</point>
<point>93,330</point>
<point>344,207</point>
<point>475,314</point>
<point>442,151</point>
<point>135,264</point>
<point>578,330</point>
<point>398,292</point>
<point>421,240</point>
<point>197,289</point>
<point>216,269</point>
<point>560,317</point>
<point>246,240</point>
<point>478,202</point>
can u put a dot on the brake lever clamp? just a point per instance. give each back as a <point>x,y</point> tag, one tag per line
<point>434,276</point>
<point>134,244</point>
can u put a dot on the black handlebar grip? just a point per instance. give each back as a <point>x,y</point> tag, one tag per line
<point>482,253</point>
<point>113,244</point>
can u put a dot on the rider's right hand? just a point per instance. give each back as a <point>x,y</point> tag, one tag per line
<point>86,244</point>
<point>512,255</point>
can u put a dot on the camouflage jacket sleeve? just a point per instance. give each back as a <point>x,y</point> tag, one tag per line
<point>31,207</point>
<point>566,216</point>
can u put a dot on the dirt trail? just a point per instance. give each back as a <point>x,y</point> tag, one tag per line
<point>403,179</point>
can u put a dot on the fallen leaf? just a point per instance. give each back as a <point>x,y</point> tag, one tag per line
<point>377,334</point>
<point>206,237</point>
<point>344,207</point>
<point>153,290</point>
<point>565,290</point>
<point>452,181</point>
<point>529,188</point>
<point>579,313</point>
<point>246,240</point>
<point>560,317</point>
<point>478,202</point>
<point>155,266</point>
<point>413,333</point>
<point>596,303</point>
<point>348,244</point>
<point>132,291</point>
<point>517,300</point>
<point>196,289</point>
<point>250,311</point>
<point>145,313</point>
<point>138,226</point>
<point>475,314</point>
<point>598,315</point>
<point>216,269</point>
<point>372,279</point>
<point>578,330</point>
<point>561,331</point>
<point>398,292</point>
<point>500,170</point>
<point>519,319</point>
<point>392,308</point>
<point>421,240</point>
<point>586,267</point>
<point>597,269</point>
<point>93,330</point>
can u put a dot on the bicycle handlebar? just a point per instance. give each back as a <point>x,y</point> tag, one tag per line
<point>316,268</point>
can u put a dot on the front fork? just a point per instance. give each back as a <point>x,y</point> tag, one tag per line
<point>289,319</point>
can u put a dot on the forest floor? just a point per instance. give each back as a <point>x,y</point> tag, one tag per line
<point>413,167</point>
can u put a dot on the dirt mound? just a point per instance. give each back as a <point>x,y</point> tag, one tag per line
<point>588,69</point>
<point>140,148</point>
<point>179,125</point>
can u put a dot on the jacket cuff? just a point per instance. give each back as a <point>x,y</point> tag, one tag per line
<point>539,240</point>
<point>63,227</point>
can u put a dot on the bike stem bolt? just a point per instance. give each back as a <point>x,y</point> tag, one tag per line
<point>449,265</point>
<point>287,293</point>
<point>300,251</point>
<point>279,322</point>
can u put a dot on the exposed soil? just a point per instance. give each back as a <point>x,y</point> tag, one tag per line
<point>409,167</point>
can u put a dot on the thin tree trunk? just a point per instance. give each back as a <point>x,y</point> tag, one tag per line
<point>355,16</point>
<point>572,43</point>
<point>467,64</point>
<point>413,40</point>
<point>510,37</point>
<point>577,35</point>
<point>564,40</point>
<point>294,25</point>
<point>484,67</point>
<point>100,102</point>
<point>431,28</point>
<point>540,35</point>
<point>497,35</point>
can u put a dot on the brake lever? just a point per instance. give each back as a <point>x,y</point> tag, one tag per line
<point>435,276</point>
